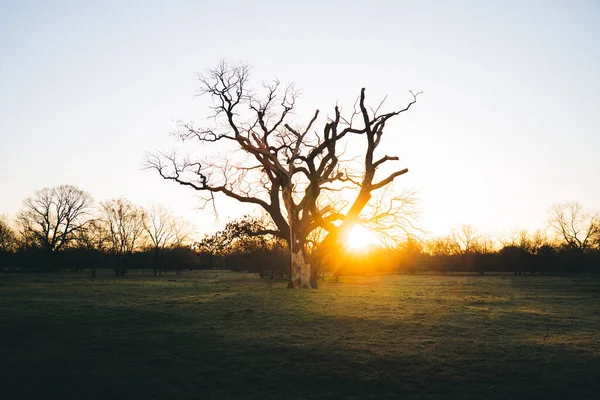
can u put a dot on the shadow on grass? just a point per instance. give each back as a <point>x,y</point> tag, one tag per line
<point>263,345</point>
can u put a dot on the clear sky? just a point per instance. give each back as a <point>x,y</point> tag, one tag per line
<point>509,122</point>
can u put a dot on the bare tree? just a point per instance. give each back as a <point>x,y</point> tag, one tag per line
<point>576,227</point>
<point>51,217</point>
<point>8,238</point>
<point>184,233</point>
<point>125,227</point>
<point>94,239</point>
<point>8,242</point>
<point>93,236</point>
<point>525,241</point>
<point>164,230</point>
<point>160,226</point>
<point>484,245</point>
<point>281,165</point>
<point>465,239</point>
<point>442,246</point>
<point>537,240</point>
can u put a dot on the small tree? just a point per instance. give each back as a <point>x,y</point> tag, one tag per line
<point>484,245</point>
<point>8,242</point>
<point>442,246</point>
<point>94,236</point>
<point>124,223</point>
<point>241,243</point>
<point>93,241</point>
<point>527,242</point>
<point>410,253</point>
<point>465,238</point>
<point>8,238</point>
<point>164,230</point>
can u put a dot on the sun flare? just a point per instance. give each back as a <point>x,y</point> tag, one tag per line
<point>360,238</point>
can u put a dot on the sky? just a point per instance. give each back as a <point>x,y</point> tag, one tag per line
<point>507,126</point>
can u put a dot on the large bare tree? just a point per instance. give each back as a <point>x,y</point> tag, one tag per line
<point>286,167</point>
<point>52,217</point>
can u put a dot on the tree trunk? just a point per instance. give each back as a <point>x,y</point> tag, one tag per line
<point>300,271</point>
<point>314,275</point>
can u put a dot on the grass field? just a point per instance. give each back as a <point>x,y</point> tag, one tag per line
<point>220,335</point>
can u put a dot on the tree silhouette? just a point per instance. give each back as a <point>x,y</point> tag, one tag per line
<point>465,239</point>
<point>239,246</point>
<point>164,230</point>
<point>283,166</point>
<point>576,227</point>
<point>124,224</point>
<point>8,238</point>
<point>52,217</point>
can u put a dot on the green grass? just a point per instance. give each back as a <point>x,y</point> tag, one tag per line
<point>219,335</point>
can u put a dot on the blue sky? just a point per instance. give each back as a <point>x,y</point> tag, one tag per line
<point>507,126</point>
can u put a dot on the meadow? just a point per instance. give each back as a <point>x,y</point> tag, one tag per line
<point>223,335</point>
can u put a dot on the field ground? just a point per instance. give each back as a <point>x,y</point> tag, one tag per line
<point>221,335</point>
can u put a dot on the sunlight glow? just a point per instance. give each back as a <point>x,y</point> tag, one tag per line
<point>360,238</point>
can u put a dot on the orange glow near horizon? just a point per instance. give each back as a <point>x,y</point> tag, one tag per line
<point>360,238</point>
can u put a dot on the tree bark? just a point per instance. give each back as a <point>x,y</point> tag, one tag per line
<point>300,269</point>
<point>314,275</point>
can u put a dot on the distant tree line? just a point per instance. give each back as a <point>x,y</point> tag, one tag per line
<point>61,228</point>
<point>570,244</point>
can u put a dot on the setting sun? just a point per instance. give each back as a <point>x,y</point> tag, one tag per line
<point>360,238</point>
